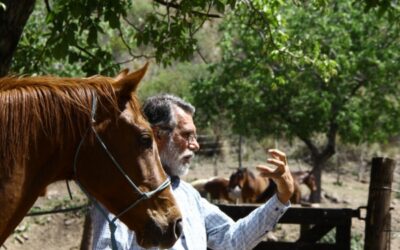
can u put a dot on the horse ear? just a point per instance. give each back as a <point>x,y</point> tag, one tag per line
<point>121,75</point>
<point>126,83</point>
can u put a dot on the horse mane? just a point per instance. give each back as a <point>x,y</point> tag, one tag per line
<point>58,107</point>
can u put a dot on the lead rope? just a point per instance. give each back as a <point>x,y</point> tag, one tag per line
<point>143,195</point>
<point>69,189</point>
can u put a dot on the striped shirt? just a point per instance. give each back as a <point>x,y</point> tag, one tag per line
<point>204,224</point>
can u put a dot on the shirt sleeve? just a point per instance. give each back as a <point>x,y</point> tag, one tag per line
<point>246,233</point>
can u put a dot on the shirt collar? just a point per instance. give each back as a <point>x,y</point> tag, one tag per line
<point>175,180</point>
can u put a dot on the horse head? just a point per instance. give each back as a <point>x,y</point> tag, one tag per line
<point>310,181</point>
<point>121,168</point>
<point>236,182</point>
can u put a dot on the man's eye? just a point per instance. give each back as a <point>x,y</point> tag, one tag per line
<point>189,136</point>
<point>146,141</point>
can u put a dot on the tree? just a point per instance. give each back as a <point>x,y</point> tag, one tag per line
<point>330,71</point>
<point>78,32</point>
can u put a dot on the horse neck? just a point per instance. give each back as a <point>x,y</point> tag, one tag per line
<point>256,183</point>
<point>44,164</point>
<point>249,181</point>
<point>51,160</point>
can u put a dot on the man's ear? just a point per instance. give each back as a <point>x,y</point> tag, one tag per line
<point>126,84</point>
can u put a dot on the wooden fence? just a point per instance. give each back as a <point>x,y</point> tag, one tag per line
<point>317,222</point>
<point>321,221</point>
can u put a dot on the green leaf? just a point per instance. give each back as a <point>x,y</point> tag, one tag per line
<point>3,6</point>
<point>92,36</point>
<point>60,49</point>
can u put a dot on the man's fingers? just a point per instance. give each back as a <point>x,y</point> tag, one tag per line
<point>276,151</point>
<point>265,169</point>
<point>278,154</point>
<point>276,162</point>
<point>270,172</point>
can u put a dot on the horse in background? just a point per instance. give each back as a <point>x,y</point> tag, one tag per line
<point>307,178</point>
<point>90,130</point>
<point>272,189</point>
<point>299,177</point>
<point>245,184</point>
<point>215,188</point>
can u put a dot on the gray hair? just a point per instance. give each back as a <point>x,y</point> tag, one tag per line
<point>160,111</point>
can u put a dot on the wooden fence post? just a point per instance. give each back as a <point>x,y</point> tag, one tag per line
<point>377,223</point>
<point>87,234</point>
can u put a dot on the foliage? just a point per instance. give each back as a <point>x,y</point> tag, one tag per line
<point>299,72</point>
<point>325,69</point>
<point>3,6</point>
<point>174,80</point>
<point>85,36</point>
<point>356,242</point>
<point>68,41</point>
<point>383,6</point>
<point>88,36</point>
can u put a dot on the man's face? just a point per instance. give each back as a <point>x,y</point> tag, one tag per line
<point>178,151</point>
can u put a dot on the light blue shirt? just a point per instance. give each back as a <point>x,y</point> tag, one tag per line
<point>204,224</point>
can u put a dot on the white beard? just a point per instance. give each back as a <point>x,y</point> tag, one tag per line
<point>172,159</point>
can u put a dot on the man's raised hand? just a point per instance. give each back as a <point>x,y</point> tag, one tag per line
<point>280,175</point>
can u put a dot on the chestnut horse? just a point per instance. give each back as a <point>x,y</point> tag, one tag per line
<point>247,185</point>
<point>216,188</point>
<point>299,177</point>
<point>52,129</point>
<point>307,178</point>
<point>272,188</point>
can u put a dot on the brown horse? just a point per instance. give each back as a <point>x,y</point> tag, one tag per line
<point>299,177</point>
<point>272,188</point>
<point>307,178</point>
<point>216,188</point>
<point>51,129</point>
<point>247,184</point>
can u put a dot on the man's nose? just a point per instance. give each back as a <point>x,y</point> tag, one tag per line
<point>194,145</point>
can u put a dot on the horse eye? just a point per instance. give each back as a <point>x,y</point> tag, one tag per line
<point>146,141</point>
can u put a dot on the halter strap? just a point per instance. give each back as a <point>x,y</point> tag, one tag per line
<point>142,195</point>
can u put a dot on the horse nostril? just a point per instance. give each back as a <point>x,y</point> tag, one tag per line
<point>178,227</point>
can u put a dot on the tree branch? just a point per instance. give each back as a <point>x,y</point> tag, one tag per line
<point>131,24</point>
<point>84,51</point>
<point>178,7</point>
<point>47,5</point>
<point>311,146</point>
<point>121,35</point>
<point>330,147</point>
<point>202,22</point>
<point>266,22</point>
<point>134,57</point>
<point>201,55</point>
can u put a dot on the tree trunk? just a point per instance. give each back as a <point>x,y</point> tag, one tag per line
<point>12,23</point>
<point>315,196</point>
<point>240,151</point>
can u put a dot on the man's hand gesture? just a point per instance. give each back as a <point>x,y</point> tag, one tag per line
<point>280,175</point>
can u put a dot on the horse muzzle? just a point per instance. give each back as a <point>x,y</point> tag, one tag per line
<point>235,193</point>
<point>161,236</point>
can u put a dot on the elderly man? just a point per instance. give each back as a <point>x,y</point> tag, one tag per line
<point>204,225</point>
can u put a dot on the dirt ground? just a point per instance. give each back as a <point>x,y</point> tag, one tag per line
<point>63,231</point>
